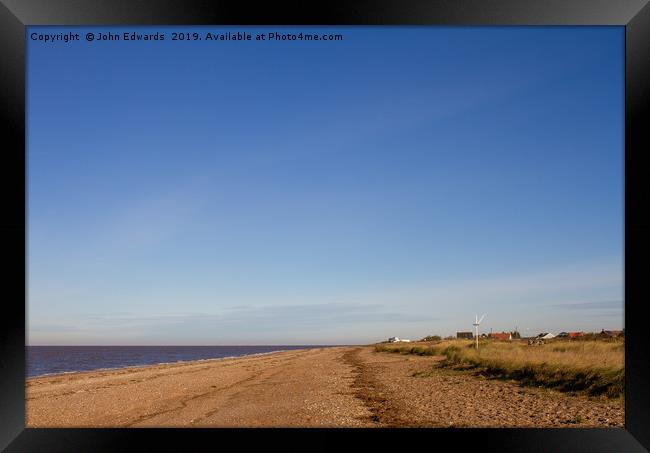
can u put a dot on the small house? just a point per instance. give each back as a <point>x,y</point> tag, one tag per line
<point>546,336</point>
<point>464,335</point>
<point>503,336</point>
<point>398,340</point>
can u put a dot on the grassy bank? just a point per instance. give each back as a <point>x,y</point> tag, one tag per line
<point>590,367</point>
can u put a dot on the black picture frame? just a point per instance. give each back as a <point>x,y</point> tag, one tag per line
<point>634,15</point>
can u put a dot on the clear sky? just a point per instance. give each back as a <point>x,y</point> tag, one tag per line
<point>397,182</point>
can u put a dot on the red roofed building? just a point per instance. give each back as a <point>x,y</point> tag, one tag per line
<point>501,336</point>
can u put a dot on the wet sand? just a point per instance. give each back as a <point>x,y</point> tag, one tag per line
<point>328,387</point>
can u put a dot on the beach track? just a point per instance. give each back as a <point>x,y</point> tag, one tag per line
<point>324,387</point>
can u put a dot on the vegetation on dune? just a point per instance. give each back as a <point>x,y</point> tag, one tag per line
<point>592,367</point>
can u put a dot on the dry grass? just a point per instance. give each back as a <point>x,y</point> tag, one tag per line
<point>594,367</point>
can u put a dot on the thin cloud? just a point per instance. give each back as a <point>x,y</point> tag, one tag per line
<point>521,288</point>
<point>442,308</point>
<point>590,306</point>
<point>278,316</point>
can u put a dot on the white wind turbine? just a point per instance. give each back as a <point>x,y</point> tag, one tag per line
<point>477,323</point>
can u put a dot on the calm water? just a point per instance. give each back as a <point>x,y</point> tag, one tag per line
<point>59,359</point>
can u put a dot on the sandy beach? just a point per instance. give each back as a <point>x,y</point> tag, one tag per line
<point>327,387</point>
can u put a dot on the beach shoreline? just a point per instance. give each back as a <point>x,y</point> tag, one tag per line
<point>177,362</point>
<point>339,386</point>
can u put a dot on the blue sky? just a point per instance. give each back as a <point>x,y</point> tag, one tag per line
<point>394,183</point>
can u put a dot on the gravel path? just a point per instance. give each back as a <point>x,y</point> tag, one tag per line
<point>346,386</point>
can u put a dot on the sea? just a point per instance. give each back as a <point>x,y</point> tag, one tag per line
<point>44,360</point>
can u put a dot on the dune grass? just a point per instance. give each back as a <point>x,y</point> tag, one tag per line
<point>594,367</point>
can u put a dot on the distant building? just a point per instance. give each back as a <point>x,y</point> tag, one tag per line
<point>545,335</point>
<point>611,333</point>
<point>465,335</point>
<point>570,334</point>
<point>503,336</point>
<point>398,340</point>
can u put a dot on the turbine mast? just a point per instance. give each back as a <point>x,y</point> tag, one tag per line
<point>477,322</point>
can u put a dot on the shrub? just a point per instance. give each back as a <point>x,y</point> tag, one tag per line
<point>592,367</point>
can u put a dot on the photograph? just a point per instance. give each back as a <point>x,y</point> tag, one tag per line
<point>327,226</point>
